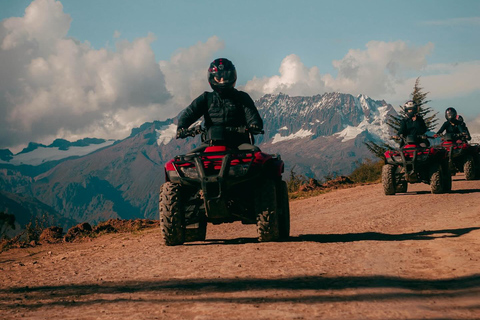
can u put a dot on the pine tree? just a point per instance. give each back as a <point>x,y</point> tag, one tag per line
<point>419,97</point>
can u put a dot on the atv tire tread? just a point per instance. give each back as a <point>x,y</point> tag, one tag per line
<point>171,214</point>
<point>436,181</point>
<point>388,179</point>
<point>267,213</point>
<point>469,168</point>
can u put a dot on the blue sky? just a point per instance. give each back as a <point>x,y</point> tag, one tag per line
<point>105,55</point>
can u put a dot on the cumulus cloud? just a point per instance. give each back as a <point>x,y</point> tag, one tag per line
<point>186,71</point>
<point>54,86</point>
<point>295,79</point>
<point>376,71</point>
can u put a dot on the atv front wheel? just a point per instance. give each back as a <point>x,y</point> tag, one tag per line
<point>282,198</point>
<point>172,216</point>
<point>268,226</point>
<point>436,181</point>
<point>469,168</point>
<point>388,179</point>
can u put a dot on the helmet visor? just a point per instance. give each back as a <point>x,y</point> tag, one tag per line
<point>224,76</point>
<point>450,115</point>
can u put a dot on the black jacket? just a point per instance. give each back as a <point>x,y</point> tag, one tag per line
<point>235,109</point>
<point>458,128</point>
<point>229,110</point>
<point>410,127</point>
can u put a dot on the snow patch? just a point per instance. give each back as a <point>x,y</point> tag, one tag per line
<point>302,133</point>
<point>166,134</point>
<point>349,133</point>
<point>44,154</point>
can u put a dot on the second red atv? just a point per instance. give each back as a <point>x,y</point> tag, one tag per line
<point>218,184</point>
<point>414,163</point>
<point>462,156</point>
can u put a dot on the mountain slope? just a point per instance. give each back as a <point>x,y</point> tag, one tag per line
<point>316,136</point>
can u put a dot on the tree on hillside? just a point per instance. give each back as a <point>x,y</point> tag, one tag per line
<point>7,221</point>
<point>419,97</point>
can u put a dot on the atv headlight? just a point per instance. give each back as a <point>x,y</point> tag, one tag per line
<point>238,170</point>
<point>189,172</point>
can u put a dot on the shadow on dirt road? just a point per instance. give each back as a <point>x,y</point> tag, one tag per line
<point>198,290</point>
<point>350,237</point>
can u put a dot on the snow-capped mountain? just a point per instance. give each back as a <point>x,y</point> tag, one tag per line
<point>288,118</point>
<point>315,136</point>
<point>36,154</point>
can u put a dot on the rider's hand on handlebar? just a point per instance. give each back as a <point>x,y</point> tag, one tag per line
<point>254,129</point>
<point>182,133</point>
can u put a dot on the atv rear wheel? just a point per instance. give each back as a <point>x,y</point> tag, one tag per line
<point>268,225</point>
<point>469,168</point>
<point>172,216</point>
<point>388,179</point>
<point>282,203</point>
<point>436,179</point>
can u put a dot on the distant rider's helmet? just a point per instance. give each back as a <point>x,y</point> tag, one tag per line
<point>222,75</point>
<point>451,114</point>
<point>459,118</point>
<point>410,108</point>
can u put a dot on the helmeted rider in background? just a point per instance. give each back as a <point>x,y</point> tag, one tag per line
<point>225,109</point>
<point>454,124</point>
<point>412,124</point>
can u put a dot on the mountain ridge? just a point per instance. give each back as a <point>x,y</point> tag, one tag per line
<point>316,136</point>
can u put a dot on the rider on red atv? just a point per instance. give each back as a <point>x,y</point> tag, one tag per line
<point>453,125</point>
<point>224,108</point>
<point>413,124</point>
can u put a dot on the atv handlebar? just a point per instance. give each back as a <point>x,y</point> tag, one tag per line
<point>452,136</point>
<point>420,136</point>
<point>192,132</point>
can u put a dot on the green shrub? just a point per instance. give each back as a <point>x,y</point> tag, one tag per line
<point>367,171</point>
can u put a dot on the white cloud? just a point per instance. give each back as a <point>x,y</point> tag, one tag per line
<point>376,71</point>
<point>379,69</point>
<point>54,86</point>
<point>186,71</point>
<point>295,79</point>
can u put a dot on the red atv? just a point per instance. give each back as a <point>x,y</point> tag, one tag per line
<point>218,184</point>
<point>462,156</point>
<point>414,163</point>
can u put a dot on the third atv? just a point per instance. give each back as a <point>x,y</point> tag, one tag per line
<point>462,156</point>
<point>415,163</point>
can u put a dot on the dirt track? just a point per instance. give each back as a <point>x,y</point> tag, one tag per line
<point>353,254</point>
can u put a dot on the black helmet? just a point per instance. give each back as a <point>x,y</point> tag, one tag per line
<point>460,118</point>
<point>222,75</point>
<point>451,114</point>
<point>411,109</point>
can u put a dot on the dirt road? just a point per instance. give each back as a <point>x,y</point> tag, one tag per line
<point>353,254</point>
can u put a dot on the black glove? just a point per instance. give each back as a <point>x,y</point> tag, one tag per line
<point>254,129</point>
<point>181,133</point>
